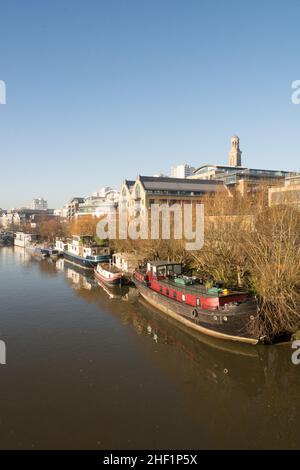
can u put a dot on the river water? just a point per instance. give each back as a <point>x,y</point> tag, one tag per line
<point>88,368</point>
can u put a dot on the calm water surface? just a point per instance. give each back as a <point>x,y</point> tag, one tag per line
<point>94,369</point>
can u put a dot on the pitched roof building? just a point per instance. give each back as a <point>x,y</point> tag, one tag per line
<point>147,190</point>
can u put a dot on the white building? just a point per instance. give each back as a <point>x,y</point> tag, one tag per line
<point>182,171</point>
<point>11,217</point>
<point>39,204</point>
<point>101,202</point>
<point>63,213</point>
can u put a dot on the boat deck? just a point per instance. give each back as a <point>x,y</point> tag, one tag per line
<point>110,268</point>
<point>197,289</point>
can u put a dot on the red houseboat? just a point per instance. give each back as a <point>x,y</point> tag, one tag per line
<point>215,311</point>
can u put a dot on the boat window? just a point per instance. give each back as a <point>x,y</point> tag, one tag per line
<point>177,269</point>
<point>160,289</point>
<point>167,292</point>
<point>162,271</point>
<point>183,297</point>
<point>175,295</point>
<point>198,301</point>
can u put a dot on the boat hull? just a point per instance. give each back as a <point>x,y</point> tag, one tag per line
<point>218,324</point>
<point>83,262</point>
<point>113,281</point>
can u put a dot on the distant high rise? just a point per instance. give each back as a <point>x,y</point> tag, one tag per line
<point>235,154</point>
<point>182,171</point>
<point>39,204</point>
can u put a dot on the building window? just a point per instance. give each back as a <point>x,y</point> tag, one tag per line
<point>137,192</point>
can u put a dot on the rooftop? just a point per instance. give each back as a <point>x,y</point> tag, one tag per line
<point>129,182</point>
<point>242,169</point>
<point>178,184</point>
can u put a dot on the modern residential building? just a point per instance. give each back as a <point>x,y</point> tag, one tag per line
<point>72,206</point>
<point>58,212</point>
<point>182,171</point>
<point>289,193</point>
<point>62,213</point>
<point>39,204</point>
<point>99,203</point>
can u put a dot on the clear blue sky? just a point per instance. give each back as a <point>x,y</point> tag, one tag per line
<point>99,91</point>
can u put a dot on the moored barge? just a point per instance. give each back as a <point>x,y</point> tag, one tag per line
<point>108,274</point>
<point>86,252</point>
<point>221,313</point>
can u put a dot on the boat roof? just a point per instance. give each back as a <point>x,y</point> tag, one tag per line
<point>199,290</point>
<point>164,263</point>
<point>129,256</point>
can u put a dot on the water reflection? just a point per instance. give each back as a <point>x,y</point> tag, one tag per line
<point>255,369</point>
<point>150,381</point>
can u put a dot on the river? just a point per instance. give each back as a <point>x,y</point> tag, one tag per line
<point>88,368</point>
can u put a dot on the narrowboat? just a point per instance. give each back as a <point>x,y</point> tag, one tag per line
<point>108,274</point>
<point>215,311</point>
<point>86,252</point>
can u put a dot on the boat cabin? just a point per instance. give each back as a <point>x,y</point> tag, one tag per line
<point>163,269</point>
<point>167,279</point>
<point>61,245</point>
<point>86,247</point>
<point>126,262</point>
<point>24,239</point>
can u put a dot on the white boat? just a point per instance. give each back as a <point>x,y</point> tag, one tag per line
<point>25,239</point>
<point>108,274</point>
<point>86,252</point>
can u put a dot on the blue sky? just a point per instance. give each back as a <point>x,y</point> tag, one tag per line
<point>99,91</point>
